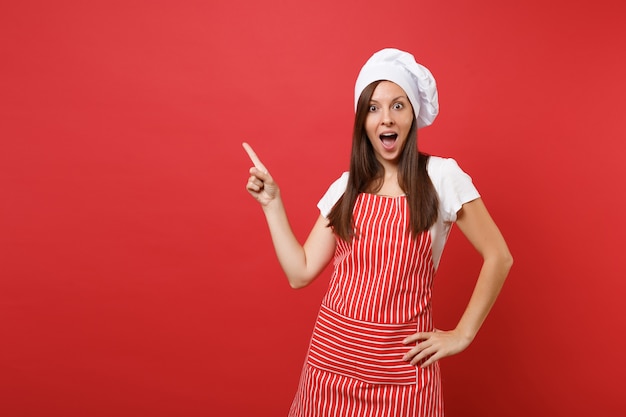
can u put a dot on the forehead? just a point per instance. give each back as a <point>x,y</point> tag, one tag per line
<point>388,90</point>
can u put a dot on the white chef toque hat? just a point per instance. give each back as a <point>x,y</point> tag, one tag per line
<point>401,68</point>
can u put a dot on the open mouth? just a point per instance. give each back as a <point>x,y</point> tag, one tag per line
<point>388,139</point>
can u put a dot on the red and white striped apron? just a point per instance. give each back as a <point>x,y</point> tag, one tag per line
<point>379,293</point>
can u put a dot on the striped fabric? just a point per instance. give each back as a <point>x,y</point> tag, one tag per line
<point>379,293</point>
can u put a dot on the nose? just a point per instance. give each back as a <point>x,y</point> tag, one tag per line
<point>387,120</point>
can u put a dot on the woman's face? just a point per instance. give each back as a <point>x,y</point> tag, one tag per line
<point>388,121</point>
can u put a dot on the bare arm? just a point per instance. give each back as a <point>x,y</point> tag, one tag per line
<point>301,263</point>
<point>477,225</point>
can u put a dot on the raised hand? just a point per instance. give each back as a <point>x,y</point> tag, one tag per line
<point>260,184</point>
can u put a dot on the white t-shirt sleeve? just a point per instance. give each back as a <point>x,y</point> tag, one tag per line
<point>333,194</point>
<point>454,188</point>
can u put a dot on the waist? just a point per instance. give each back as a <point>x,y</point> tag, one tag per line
<point>369,352</point>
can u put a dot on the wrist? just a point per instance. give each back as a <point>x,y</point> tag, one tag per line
<point>273,205</point>
<point>465,334</point>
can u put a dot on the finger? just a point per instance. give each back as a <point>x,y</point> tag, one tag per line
<point>255,159</point>
<point>422,346</point>
<point>439,354</point>
<point>434,358</point>
<point>256,181</point>
<point>424,356</point>
<point>255,184</point>
<point>252,187</point>
<point>259,174</point>
<point>416,337</point>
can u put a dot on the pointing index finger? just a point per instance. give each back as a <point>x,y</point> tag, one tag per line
<point>255,159</point>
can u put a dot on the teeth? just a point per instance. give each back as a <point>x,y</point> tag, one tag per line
<point>388,135</point>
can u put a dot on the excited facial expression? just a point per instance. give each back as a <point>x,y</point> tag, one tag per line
<point>388,121</point>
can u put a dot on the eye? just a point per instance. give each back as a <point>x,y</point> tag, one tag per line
<point>398,106</point>
<point>372,108</point>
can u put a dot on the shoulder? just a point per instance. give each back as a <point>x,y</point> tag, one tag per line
<point>453,185</point>
<point>439,167</point>
<point>333,194</point>
<point>340,184</point>
<point>444,171</point>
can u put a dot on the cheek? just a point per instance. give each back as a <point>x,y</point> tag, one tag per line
<point>407,123</point>
<point>370,127</point>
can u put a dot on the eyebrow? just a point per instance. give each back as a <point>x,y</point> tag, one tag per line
<point>395,99</point>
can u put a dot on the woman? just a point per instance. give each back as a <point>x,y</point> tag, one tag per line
<point>374,350</point>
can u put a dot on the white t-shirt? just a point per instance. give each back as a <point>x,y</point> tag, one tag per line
<point>453,186</point>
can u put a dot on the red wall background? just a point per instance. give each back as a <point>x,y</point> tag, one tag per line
<point>137,275</point>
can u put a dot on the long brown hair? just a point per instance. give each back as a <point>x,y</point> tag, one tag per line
<point>366,175</point>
